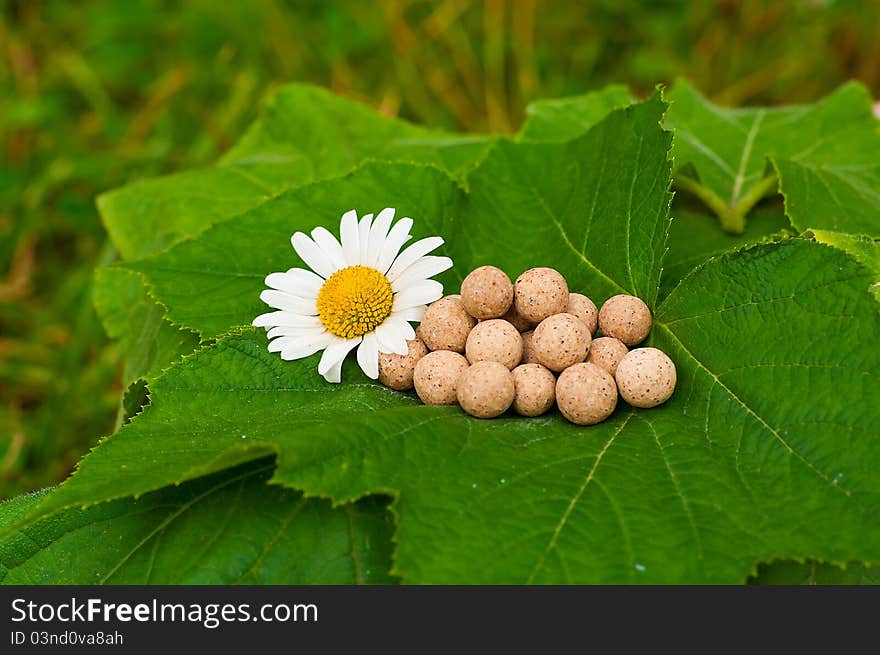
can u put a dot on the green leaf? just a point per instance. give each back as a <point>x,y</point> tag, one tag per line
<point>724,475</point>
<point>864,249</point>
<point>562,119</point>
<point>765,451</point>
<point>811,572</point>
<point>213,283</point>
<point>303,134</point>
<point>728,473</point>
<point>229,528</point>
<point>148,341</point>
<point>694,238</point>
<point>595,207</point>
<point>825,155</point>
<point>567,190</point>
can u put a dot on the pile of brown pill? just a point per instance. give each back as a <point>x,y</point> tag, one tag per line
<point>529,344</point>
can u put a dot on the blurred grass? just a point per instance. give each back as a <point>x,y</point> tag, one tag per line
<point>97,93</point>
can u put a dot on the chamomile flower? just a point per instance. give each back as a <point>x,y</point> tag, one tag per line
<point>362,292</point>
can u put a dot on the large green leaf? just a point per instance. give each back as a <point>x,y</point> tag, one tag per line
<point>563,119</point>
<point>728,473</point>
<point>864,249</point>
<point>825,155</point>
<point>148,341</point>
<point>303,134</point>
<point>229,528</point>
<point>765,451</point>
<point>596,207</point>
<point>694,237</point>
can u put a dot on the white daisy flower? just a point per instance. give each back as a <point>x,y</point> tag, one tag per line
<point>362,293</point>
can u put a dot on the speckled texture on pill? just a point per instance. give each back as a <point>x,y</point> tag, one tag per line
<point>396,371</point>
<point>535,390</point>
<point>519,322</point>
<point>494,340</point>
<point>585,309</point>
<point>486,389</point>
<point>486,292</point>
<point>446,325</point>
<point>586,394</point>
<point>539,293</point>
<point>607,353</point>
<point>646,377</point>
<point>560,341</point>
<point>528,355</point>
<point>626,318</point>
<point>436,377</point>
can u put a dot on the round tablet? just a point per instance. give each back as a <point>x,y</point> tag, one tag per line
<point>607,353</point>
<point>539,293</point>
<point>560,341</point>
<point>446,325</point>
<point>585,309</point>
<point>626,318</point>
<point>486,292</point>
<point>436,377</point>
<point>645,377</point>
<point>396,371</point>
<point>486,389</point>
<point>494,340</point>
<point>535,389</point>
<point>586,394</point>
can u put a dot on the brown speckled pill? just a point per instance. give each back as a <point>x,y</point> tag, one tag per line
<point>626,318</point>
<point>645,377</point>
<point>539,293</point>
<point>586,394</point>
<point>519,322</point>
<point>396,371</point>
<point>446,325</point>
<point>494,340</point>
<point>486,389</point>
<point>486,292</point>
<point>560,341</point>
<point>585,309</point>
<point>535,389</point>
<point>607,353</point>
<point>436,377</point>
<point>528,355</point>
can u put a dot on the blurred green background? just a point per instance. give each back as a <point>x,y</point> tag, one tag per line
<point>95,94</point>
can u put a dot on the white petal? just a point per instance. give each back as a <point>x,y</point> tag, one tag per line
<point>288,319</point>
<point>298,281</point>
<point>287,302</point>
<point>405,328</point>
<point>348,232</point>
<point>391,339</point>
<point>398,236</point>
<point>368,355</point>
<point>287,331</point>
<point>330,246</point>
<point>411,313</point>
<point>378,233</point>
<point>305,347</point>
<point>331,361</point>
<point>297,347</point>
<point>364,237</point>
<point>418,294</point>
<point>422,269</point>
<point>412,254</point>
<point>312,255</point>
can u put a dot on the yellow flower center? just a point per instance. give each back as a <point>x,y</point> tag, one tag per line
<point>354,301</point>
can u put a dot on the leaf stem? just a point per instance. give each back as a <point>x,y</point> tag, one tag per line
<point>731,217</point>
<point>761,190</point>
